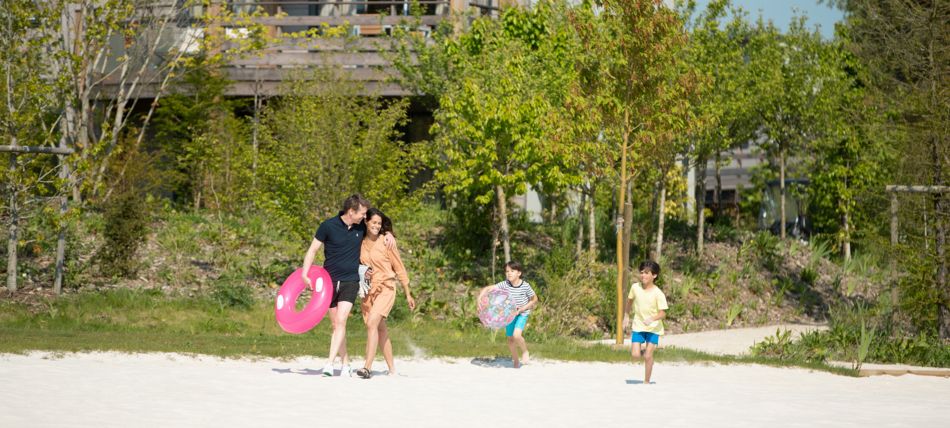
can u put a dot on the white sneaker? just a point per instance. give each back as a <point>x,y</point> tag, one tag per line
<point>346,371</point>
<point>328,370</point>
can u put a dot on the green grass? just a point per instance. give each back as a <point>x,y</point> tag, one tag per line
<point>138,321</point>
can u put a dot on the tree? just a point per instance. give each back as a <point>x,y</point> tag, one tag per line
<point>791,104</point>
<point>636,78</point>
<point>906,45</point>
<point>500,93</point>
<point>850,157</point>
<point>721,53</point>
<point>27,106</point>
<point>320,142</point>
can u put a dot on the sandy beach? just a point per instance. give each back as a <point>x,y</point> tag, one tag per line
<point>165,390</point>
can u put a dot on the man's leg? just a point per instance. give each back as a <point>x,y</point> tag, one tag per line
<point>338,340</point>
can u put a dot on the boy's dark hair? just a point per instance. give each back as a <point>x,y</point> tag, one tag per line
<point>354,202</point>
<point>652,265</point>
<point>513,265</point>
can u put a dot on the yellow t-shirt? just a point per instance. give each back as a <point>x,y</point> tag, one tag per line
<point>646,304</point>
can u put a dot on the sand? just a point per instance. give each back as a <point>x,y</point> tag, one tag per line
<point>171,390</point>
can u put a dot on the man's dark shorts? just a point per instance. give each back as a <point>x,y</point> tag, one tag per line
<point>345,291</point>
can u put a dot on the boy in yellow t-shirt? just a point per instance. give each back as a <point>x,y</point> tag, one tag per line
<point>649,308</point>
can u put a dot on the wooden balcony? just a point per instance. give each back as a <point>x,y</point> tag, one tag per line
<point>360,56</point>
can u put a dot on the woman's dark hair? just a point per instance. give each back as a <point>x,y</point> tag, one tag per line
<point>513,265</point>
<point>652,265</point>
<point>387,223</point>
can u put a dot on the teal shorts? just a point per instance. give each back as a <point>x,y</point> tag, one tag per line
<point>519,323</point>
<point>644,337</point>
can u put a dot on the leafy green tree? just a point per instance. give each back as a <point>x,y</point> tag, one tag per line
<point>850,159</point>
<point>720,50</point>
<point>906,46</point>
<point>501,87</point>
<point>324,141</point>
<point>635,74</point>
<point>27,112</point>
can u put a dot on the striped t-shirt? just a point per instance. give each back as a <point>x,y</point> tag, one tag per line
<point>520,295</point>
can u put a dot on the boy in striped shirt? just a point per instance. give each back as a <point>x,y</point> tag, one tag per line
<point>525,299</point>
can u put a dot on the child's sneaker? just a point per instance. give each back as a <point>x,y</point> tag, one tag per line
<point>328,370</point>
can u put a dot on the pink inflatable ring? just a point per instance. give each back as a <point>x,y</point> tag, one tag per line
<point>285,307</point>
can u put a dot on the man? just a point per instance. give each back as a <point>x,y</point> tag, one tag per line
<point>341,236</point>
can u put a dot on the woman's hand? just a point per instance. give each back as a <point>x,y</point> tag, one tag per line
<point>411,301</point>
<point>308,282</point>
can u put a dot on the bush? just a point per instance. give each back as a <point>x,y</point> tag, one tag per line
<point>126,226</point>
<point>233,294</point>
<point>575,303</point>
<point>765,249</point>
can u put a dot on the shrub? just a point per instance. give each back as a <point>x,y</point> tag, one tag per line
<point>233,294</point>
<point>575,303</point>
<point>126,226</point>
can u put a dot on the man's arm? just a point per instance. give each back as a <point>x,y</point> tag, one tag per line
<point>308,260</point>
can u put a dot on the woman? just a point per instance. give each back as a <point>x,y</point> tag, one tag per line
<point>387,268</point>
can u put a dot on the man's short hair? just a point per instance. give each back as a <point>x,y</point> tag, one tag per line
<point>354,202</point>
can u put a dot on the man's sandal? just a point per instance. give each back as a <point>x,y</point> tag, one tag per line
<point>364,373</point>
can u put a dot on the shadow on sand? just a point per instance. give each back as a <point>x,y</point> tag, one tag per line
<point>496,362</point>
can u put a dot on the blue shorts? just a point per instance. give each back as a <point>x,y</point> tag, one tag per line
<point>644,337</point>
<point>520,322</point>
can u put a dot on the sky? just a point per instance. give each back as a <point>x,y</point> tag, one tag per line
<point>782,11</point>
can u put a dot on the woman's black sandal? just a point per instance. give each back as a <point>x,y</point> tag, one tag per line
<point>364,373</point>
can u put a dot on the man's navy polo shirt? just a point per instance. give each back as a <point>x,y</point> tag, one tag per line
<point>341,248</point>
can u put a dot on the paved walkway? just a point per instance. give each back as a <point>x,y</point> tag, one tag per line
<point>738,341</point>
<point>735,341</point>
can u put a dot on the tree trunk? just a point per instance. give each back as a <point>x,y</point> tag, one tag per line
<point>581,208</point>
<point>718,195</point>
<point>627,235</point>
<point>622,190</point>
<point>658,256</point>
<point>782,192</point>
<point>494,252</point>
<point>503,220</point>
<point>256,124</point>
<point>591,221</point>
<point>738,211</point>
<point>700,206</point>
<point>14,224</point>
<point>940,244</point>
<point>846,244</point>
<point>63,207</point>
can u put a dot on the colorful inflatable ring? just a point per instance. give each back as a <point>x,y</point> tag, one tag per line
<point>288,317</point>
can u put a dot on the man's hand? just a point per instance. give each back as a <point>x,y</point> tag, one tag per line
<point>308,282</point>
<point>389,240</point>
<point>368,275</point>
